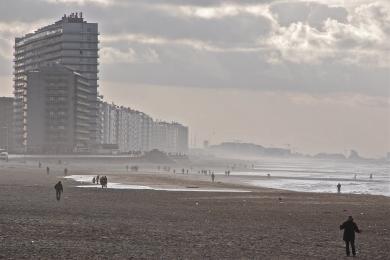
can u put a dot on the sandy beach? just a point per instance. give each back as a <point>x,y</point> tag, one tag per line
<point>91,223</point>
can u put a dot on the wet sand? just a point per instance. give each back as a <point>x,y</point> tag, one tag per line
<point>144,224</point>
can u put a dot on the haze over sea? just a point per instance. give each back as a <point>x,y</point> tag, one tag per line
<point>314,175</point>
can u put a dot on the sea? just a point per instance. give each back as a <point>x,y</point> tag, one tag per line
<point>320,175</point>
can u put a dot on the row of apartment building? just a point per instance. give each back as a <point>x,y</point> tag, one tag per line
<point>133,131</point>
<point>56,107</point>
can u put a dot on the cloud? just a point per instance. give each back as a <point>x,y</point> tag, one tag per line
<point>8,30</point>
<point>217,12</point>
<point>111,55</point>
<point>299,46</point>
<point>83,2</point>
<point>341,99</point>
<point>362,41</point>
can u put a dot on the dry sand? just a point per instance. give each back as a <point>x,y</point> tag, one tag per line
<point>124,224</point>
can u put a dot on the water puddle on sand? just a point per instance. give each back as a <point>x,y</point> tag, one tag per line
<point>88,179</point>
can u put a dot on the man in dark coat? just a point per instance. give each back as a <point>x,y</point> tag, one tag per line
<point>59,190</point>
<point>349,228</point>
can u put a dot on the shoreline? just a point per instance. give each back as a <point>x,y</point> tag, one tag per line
<point>146,176</point>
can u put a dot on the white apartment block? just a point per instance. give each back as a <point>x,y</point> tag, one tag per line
<point>135,131</point>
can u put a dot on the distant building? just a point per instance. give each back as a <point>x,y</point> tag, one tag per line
<point>109,114</point>
<point>135,131</point>
<point>71,41</point>
<point>170,137</point>
<point>181,138</point>
<point>6,123</point>
<point>60,115</point>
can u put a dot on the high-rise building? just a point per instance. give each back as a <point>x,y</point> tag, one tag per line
<point>71,41</point>
<point>6,123</point>
<point>135,131</point>
<point>181,138</point>
<point>109,114</point>
<point>170,137</point>
<point>59,108</point>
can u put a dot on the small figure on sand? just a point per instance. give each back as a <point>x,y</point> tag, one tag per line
<point>66,171</point>
<point>47,170</point>
<point>59,189</point>
<point>93,180</point>
<point>212,176</point>
<point>97,179</point>
<point>370,176</point>
<point>338,188</point>
<point>349,228</point>
<point>103,181</point>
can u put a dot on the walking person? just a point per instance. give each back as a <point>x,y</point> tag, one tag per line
<point>47,170</point>
<point>66,171</point>
<point>212,176</point>
<point>349,228</point>
<point>338,188</point>
<point>59,189</point>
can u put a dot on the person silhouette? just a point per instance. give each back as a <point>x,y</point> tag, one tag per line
<point>349,228</point>
<point>338,188</point>
<point>59,189</point>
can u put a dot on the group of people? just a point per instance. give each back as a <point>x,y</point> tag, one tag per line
<point>227,173</point>
<point>102,180</point>
<point>205,172</point>
<point>355,177</point>
<point>183,171</point>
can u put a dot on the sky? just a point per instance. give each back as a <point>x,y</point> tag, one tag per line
<point>313,76</point>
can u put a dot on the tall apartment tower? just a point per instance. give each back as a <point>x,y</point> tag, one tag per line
<point>72,42</point>
<point>58,104</point>
<point>6,123</point>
